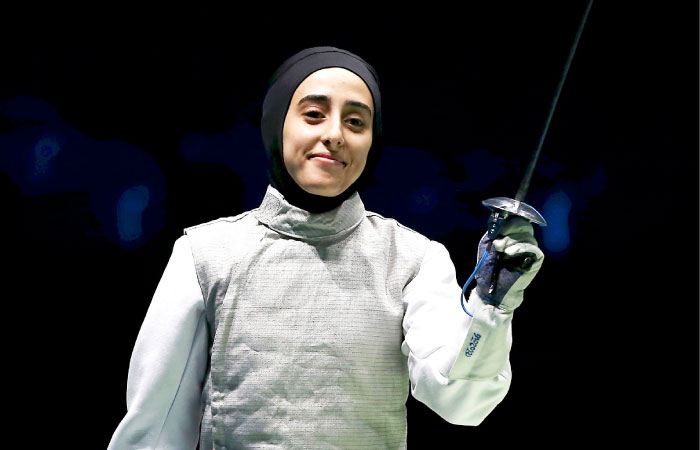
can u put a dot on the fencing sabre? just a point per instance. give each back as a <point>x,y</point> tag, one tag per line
<point>504,207</point>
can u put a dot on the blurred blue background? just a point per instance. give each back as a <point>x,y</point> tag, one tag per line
<point>120,128</point>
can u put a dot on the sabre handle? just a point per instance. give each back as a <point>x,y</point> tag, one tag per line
<point>496,221</point>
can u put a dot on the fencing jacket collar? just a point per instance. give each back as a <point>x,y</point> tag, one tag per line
<point>285,218</point>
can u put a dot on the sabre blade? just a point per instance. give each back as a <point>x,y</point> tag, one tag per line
<point>525,183</point>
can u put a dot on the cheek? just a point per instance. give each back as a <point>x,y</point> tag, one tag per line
<point>288,146</point>
<point>363,153</point>
<point>295,142</point>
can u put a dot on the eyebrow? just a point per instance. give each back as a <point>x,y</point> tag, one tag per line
<point>324,99</point>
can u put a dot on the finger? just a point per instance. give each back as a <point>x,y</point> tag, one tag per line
<point>523,247</point>
<point>516,225</point>
<point>519,262</point>
<point>517,241</point>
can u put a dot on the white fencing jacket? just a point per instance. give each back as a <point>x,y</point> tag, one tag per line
<point>283,329</point>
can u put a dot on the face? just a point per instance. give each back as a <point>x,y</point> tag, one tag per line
<point>328,131</point>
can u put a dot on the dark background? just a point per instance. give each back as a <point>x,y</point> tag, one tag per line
<point>120,127</point>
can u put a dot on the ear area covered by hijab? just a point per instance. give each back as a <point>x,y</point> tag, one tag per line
<point>283,84</point>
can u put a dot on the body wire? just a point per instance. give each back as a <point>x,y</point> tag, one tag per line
<point>471,277</point>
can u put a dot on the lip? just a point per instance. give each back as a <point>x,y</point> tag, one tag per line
<point>326,158</point>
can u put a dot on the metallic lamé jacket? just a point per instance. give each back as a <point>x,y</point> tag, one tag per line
<point>281,329</point>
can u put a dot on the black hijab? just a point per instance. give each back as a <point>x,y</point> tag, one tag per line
<point>284,82</point>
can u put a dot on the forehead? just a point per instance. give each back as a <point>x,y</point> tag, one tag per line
<point>334,82</point>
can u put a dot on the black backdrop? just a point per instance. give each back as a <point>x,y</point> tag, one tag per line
<point>122,126</point>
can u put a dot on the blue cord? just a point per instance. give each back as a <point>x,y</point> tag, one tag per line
<point>471,277</point>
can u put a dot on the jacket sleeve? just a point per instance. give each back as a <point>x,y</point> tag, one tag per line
<point>458,365</point>
<point>168,364</point>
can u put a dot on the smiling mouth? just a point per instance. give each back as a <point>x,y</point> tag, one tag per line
<point>326,160</point>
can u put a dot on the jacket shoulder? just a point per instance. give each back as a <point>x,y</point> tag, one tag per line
<point>220,223</point>
<point>406,246</point>
<point>394,225</point>
<point>216,246</point>
<point>214,242</point>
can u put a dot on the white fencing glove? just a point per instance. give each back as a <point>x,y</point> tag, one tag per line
<point>516,259</point>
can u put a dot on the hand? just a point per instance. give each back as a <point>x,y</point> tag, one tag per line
<point>515,257</point>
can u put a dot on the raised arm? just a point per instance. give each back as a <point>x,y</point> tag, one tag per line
<point>459,364</point>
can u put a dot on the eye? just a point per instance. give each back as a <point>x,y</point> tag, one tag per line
<point>314,114</point>
<point>356,122</point>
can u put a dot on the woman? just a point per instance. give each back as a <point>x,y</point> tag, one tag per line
<point>299,324</point>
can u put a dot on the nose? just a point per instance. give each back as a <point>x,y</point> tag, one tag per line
<point>333,134</point>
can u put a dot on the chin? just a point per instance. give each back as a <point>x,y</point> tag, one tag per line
<point>322,189</point>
